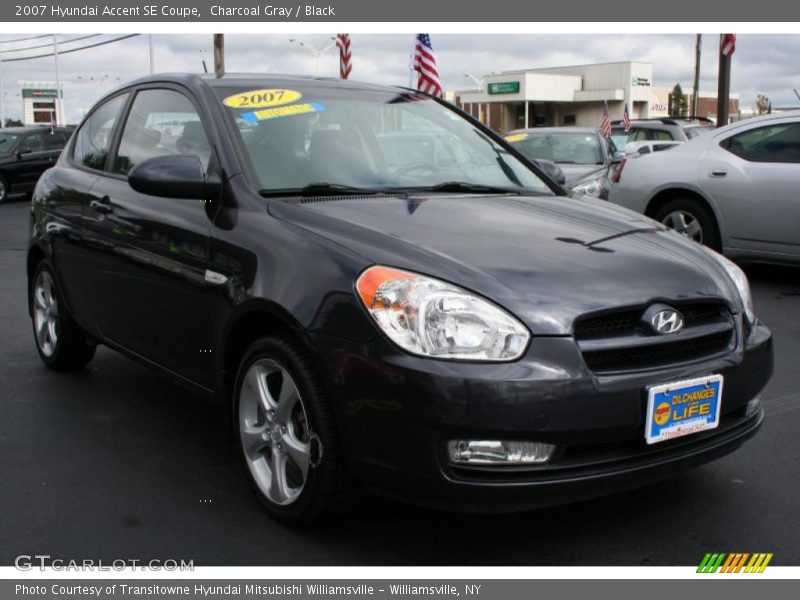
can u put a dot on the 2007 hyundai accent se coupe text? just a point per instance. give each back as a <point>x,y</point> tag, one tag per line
<point>387,297</point>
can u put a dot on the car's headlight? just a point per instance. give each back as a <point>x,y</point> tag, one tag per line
<point>432,318</point>
<point>740,281</point>
<point>590,187</point>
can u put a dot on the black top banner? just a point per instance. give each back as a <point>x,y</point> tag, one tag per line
<point>428,11</point>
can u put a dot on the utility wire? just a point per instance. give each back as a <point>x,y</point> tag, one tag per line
<point>50,45</point>
<point>33,37</point>
<point>60,52</point>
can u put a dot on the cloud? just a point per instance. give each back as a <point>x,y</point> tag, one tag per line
<point>762,63</point>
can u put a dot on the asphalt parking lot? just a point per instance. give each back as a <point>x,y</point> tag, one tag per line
<point>116,462</point>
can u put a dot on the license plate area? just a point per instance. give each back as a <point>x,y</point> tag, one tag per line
<point>682,408</point>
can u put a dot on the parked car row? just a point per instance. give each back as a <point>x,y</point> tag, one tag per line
<point>26,153</point>
<point>386,296</point>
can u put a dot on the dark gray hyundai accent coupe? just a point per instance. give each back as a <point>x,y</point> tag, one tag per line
<point>386,296</point>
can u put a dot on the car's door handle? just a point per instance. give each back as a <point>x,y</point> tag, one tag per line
<point>103,206</point>
<point>718,172</point>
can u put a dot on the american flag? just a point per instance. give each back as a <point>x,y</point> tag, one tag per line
<point>605,127</point>
<point>626,118</point>
<point>727,43</point>
<point>343,44</point>
<point>425,66</point>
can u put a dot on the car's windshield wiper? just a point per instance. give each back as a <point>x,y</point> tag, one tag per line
<point>323,189</point>
<point>470,188</point>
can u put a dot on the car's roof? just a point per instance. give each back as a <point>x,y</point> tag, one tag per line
<point>27,128</point>
<point>255,80</point>
<point>556,130</point>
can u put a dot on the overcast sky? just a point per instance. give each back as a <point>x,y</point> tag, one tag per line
<point>766,64</point>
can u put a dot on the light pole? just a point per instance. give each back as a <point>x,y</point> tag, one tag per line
<point>317,52</point>
<point>479,82</point>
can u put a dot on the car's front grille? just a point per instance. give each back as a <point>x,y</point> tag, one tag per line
<point>621,340</point>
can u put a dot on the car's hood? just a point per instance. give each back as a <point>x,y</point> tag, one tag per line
<point>576,173</point>
<point>543,258</point>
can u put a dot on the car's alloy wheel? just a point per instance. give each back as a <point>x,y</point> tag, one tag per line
<point>689,217</point>
<point>684,223</point>
<point>45,314</point>
<point>274,430</point>
<point>61,343</point>
<point>3,189</point>
<point>287,439</point>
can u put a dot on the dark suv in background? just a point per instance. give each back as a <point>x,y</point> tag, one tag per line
<point>26,153</point>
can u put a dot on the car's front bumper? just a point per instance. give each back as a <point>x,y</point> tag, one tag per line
<point>397,412</point>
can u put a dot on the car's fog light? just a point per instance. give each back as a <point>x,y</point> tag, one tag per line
<point>496,452</point>
<point>752,406</point>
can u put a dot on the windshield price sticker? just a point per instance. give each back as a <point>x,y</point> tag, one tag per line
<point>262,98</point>
<point>282,111</point>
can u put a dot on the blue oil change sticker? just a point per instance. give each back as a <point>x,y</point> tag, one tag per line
<point>682,408</point>
<point>282,111</point>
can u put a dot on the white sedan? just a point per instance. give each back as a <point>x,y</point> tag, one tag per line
<point>736,189</point>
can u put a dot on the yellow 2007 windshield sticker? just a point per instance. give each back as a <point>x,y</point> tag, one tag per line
<point>516,137</point>
<point>262,98</point>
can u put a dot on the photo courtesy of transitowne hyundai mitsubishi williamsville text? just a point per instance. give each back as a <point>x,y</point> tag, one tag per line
<point>387,297</point>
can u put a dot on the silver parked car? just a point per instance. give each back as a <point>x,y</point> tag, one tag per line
<point>582,153</point>
<point>736,189</point>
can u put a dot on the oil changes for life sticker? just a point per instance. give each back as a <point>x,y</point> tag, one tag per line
<point>262,98</point>
<point>282,111</point>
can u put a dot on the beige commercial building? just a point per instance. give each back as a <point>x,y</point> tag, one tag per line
<point>560,96</point>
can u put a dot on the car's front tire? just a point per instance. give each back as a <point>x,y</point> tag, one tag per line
<point>3,189</point>
<point>690,218</point>
<point>61,343</point>
<point>285,433</point>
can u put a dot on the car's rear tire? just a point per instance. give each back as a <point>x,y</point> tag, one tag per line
<point>3,189</point>
<point>61,343</point>
<point>690,218</point>
<point>284,425</point>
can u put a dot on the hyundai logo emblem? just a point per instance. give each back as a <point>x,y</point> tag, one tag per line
<point>663,319</point>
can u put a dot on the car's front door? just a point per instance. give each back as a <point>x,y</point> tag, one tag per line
<point>147,275</point>
<point>33,159</point>
<point>753,177</point>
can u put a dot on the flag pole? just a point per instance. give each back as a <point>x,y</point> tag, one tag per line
<point>724,82</point>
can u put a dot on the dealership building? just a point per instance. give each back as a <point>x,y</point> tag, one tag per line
<point>559,96</point>
<point>40,103</point>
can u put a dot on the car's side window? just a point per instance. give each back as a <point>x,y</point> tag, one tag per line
<point>34,142</point>
<point>662,136</point>
<point>53,141</point>
<point>778,143</point>
<point>161,122</point>
<point>93,139</point>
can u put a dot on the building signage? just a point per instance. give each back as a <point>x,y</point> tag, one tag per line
<point>33,93</point>
<point>504,87</point>
<point>640,81</point>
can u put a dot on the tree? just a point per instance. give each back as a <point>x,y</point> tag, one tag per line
<point>762,104</point>
<point>679,103</point>
<point>13,122</point>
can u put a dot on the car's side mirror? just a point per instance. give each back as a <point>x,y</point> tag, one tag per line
<point>552,170</point>
<point>617,157</point>
<point>24,150</point>
<point>174,176</point>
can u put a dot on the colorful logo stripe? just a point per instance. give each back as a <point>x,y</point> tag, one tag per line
<point>734,562</point>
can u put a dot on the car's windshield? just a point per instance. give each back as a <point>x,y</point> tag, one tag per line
<point>7,141</point>
<point>378,140</point>
<point>578,148</point>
